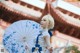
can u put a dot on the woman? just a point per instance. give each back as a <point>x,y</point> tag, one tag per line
<point>47,22</point>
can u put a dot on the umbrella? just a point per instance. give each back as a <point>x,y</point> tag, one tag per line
<point>20,35</point>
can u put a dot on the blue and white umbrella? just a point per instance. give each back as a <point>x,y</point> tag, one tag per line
<point>20,35</point>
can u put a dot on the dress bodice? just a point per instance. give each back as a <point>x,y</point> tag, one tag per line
<point>41,38</point>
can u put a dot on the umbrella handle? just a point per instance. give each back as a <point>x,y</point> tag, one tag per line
<point>26,47</point>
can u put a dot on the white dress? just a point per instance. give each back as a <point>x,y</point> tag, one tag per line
<point>42,42</point>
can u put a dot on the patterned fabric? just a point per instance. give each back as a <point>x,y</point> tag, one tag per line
<point>41,47</point>
<point>37,45</point>
<point>42,42</point>
<point>19,37</point>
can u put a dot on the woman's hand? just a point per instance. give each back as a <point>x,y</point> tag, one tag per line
<point>51,50</point>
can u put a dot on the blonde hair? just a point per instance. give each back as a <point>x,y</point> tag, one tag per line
<point>50,19</point>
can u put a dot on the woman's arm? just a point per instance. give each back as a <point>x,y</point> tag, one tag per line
<point>47,40</point>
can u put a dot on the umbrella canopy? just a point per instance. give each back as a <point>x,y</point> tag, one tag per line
<point>20,35</point>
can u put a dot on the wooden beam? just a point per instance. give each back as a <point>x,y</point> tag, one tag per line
<point>67,6</point>
<point>37,3</point>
